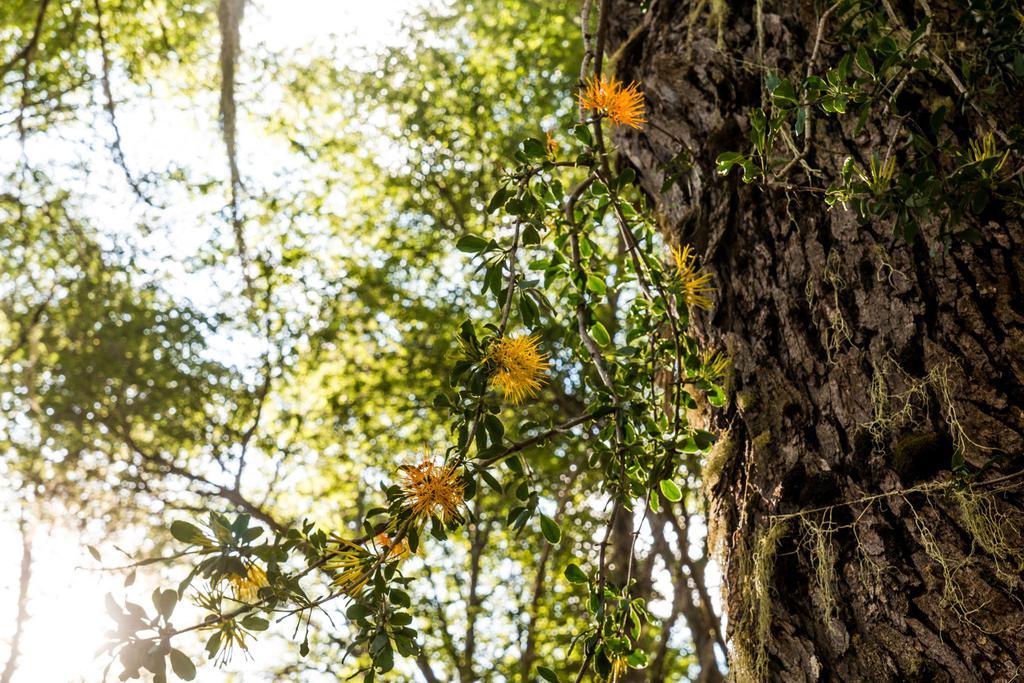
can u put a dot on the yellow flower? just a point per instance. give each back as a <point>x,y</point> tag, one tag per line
<point>694,283</point>
<point>519,367</point>
<point>882,173</point>
<point>352,565</point>
<point>713,366</point>
<point>623,105</point>
<point>552,145</point>
<point>232,635</point>
<point>619,668</point>
<point>247,588</point>
<point>986,149</point>
<point>432,490</point>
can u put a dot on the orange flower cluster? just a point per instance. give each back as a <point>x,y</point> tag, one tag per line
<point>552,145</point>
<point>432,490</point>
<point>623,105</point>
<point>519,367</point>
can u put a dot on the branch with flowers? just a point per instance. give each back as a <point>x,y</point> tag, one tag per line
<point>546,262</point>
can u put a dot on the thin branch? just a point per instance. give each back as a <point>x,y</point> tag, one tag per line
<point>534,440</point>
<point>116,146</point>
<point>29,50</point>
<point>530,650</point>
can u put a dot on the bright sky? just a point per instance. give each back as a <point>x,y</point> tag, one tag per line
<point>67,618</point>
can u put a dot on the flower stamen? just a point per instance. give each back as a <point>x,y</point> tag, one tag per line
<point>518,367</point>
<point>694,284</point>
<point>623,105</point>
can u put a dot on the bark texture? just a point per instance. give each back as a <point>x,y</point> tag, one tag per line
<point>860,363</point>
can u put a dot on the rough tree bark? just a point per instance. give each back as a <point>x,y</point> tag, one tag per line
<point>831,325</point>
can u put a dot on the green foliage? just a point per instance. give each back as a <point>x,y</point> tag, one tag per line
<point>422,193</point>
<point>948,167</point>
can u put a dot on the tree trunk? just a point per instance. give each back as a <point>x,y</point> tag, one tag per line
<point>21,617</point>
<point>861,363</point>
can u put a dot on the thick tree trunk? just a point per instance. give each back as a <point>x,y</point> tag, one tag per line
<point>860,363</point>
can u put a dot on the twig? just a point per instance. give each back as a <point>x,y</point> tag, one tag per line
<point>30,47</point>
<point>116,146</point>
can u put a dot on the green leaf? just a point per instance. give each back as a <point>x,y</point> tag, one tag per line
<point>784,94</point>
<point>637,659</point>
<point>498,200</point>
<point>547,674</point>
<point>401,619</point>
<point>471,244</point>
<point>495,429</point>
<point>213,645</point>
<point>958,462</point>
<point>491,480</point>
<point>187,533</point>
<point>670,490</point>
<point>357,611</point>
<point>165,601</point>
<point>574,574</point>
<point>400,598</point>
<point>182,666</point>
<point>627,177</point>
<point>255,623</point>
<point>552,532</point>
<point>596,285</point>
<point>530,236</point>
<point>726,160</point>
<point>583,134</point>
<point>600,334</point>
<point>534,148</point>
<point>863,61</point>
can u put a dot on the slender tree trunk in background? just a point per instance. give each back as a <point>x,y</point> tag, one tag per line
<point>859,362</point>
<point>22,616</point>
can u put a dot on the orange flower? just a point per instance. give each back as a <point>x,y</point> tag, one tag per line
<point>518,367</point>
<point>607,96</point>
<point>432,490</point>
<point>395,551</point>
<point>552,145</point>
<point>619,668</point>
